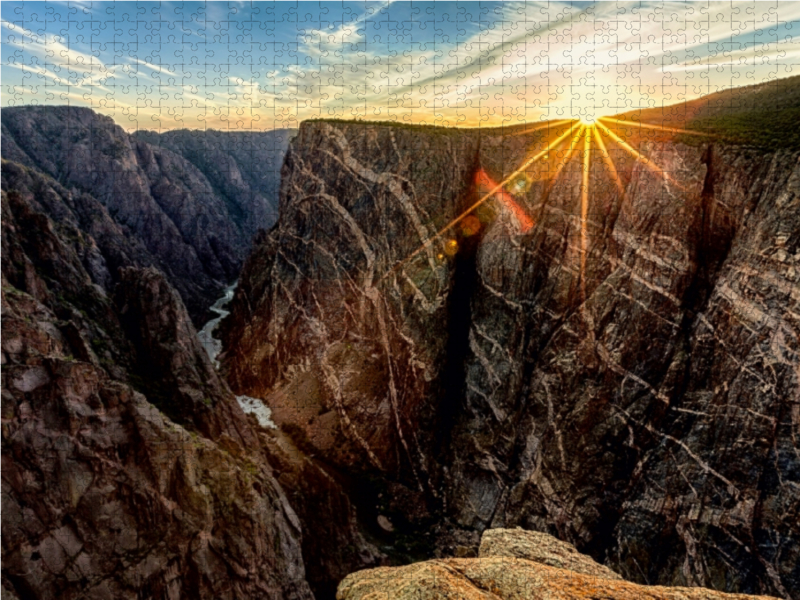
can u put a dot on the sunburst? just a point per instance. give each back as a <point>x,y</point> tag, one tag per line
<point>491,193</point>
<point>567,144</point>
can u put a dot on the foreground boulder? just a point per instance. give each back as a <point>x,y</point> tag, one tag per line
<point>504,578</point>
<point>513,564</point>
<point>540,548</point>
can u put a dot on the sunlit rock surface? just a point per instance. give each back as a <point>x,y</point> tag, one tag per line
<point>623,374</point>
<point>513,564</point>
<point>540,548</point>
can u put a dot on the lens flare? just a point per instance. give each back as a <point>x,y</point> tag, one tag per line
<point>524,222</point>
<point>470,225</point>
<point>554,144</point>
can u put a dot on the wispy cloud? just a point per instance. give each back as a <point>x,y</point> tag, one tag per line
<point>471,63</point>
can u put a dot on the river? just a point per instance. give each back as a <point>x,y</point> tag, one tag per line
<point>213,346</point>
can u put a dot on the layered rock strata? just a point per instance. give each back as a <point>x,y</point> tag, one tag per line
<point>617,367</point>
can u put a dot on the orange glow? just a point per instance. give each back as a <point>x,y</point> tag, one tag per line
<point>523,220</point>
<point>656,127</point>
<point>640,157</point>
<point>470,226</point>
<point>451,247</point>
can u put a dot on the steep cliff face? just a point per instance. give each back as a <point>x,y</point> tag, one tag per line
<point>144,204</point>
<point>643,410</point>
<point>354,359</point>
<point>617,367</point>
<point>104,495</point>
<point>243,168</point>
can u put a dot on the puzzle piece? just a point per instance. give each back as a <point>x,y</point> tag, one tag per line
<point>567,109</point>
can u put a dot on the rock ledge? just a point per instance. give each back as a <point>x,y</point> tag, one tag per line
<point>513,564</point>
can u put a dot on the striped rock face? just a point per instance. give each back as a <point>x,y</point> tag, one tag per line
<point>606,350</point>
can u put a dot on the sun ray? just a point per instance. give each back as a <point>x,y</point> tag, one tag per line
<point>553,124</point>
<point>555,143</point>
<point>587,157</point>
<point>657,127</point>
<point>653,167</point>
<point>563,161</point>
<point>612,168</point>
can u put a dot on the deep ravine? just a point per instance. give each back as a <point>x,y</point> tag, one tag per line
<point>213,346</point>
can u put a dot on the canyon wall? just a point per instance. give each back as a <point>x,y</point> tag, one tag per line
<point>145,204</point>
<point>129,469</point>
<point>243,168</point>
<point>610,355</point>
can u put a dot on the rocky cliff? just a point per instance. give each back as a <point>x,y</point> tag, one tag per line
<point>144,204</point>
<point>607,352</point>
<point>244,168</point>
<point>129,469</point>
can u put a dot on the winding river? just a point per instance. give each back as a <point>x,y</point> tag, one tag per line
<point>213,346</point>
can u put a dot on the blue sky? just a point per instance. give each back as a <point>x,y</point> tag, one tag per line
<point>243,65</point>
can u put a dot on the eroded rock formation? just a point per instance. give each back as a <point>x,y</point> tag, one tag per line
<point>243,168</point>
<point>104,496</point>
<point>145,204</point>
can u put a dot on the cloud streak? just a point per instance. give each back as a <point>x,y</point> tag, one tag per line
<point>468,64</point>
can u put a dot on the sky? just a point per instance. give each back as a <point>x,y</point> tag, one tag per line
<point>265,65</point>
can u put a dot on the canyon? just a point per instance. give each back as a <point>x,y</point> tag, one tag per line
<point>607,353</point>
<point>141,197</point>
<point>622,374</point>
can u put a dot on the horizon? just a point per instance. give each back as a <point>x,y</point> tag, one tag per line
<point>262,66</point>
<point>586,122</point>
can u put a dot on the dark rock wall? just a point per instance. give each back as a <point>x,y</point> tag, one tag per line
<point>103,495</point>
<point>144,204</point>
<point>623,374</point>
<point>359,356</point>
<point>243,168</point>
